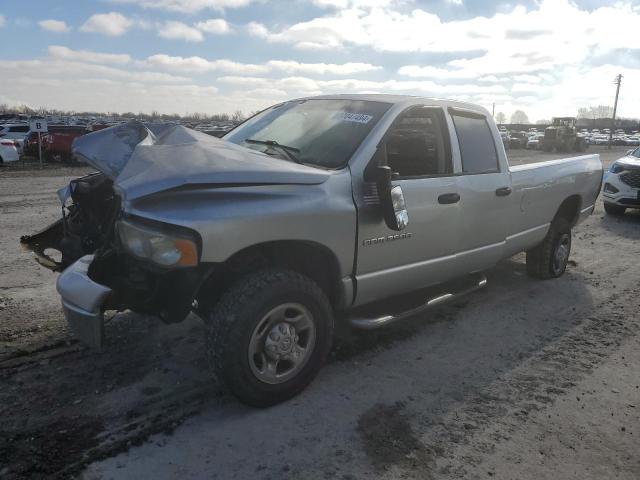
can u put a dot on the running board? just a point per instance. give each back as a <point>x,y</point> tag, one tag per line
<point>445,293</point>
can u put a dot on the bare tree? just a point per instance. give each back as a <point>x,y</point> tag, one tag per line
<point>601,111</point>
<point>501,118</point>
<point>519,117</point>
<point>237,116</point>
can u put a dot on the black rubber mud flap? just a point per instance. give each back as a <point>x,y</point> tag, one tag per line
<point>47,238</point>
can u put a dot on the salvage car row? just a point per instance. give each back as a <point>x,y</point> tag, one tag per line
<point>17,139</point>
<point>534,139</point>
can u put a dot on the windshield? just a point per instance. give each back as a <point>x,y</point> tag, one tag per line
<point>323,133</point>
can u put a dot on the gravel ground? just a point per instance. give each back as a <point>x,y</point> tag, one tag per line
<point>524,379</point>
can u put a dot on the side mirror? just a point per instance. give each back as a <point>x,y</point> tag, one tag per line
<point>391,199</point>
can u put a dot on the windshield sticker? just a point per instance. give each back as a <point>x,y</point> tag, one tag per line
<point>353,117</point>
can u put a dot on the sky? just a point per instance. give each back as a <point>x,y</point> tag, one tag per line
<point>545,57</point>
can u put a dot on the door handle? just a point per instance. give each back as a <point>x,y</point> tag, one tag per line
<point>503,191</point>
<point>447,198</point>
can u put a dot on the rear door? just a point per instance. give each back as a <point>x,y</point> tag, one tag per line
<point>417,147</point>
<point>484,185</point>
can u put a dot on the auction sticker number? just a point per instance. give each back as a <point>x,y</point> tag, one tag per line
<point>353,117</point>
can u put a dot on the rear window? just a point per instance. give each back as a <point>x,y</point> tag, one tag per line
<point>477,148</point>
<point>19,128</point>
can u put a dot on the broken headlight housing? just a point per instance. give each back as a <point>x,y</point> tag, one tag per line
<point>167,249</point>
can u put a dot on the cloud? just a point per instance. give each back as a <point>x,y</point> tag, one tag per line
<point>178,30</point>
<point>66,69</point>
<point>199,64</point>
<point>64,53</point>
<point>514,34</point>
<point>547,58</point>
<point>187,6</point>
<point>257,30</point>
<point>349,68</point>
<point>308,86</point>
<point>109,89</point>
<point>550,33</point>
<point>3,20</point>
<point>113,24</point>
<point>57,26</point>
<point>217,26</point>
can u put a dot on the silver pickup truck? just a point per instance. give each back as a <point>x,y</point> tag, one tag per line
<point>363,209</point>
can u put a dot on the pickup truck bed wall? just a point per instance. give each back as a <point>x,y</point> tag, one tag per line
<point>540,193</point>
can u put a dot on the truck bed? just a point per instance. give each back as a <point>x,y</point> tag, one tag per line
<point>540,188</point>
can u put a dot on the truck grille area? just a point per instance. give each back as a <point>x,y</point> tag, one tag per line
<point>631,178</point>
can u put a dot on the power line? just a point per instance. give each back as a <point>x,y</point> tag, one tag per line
<point>617,81</point>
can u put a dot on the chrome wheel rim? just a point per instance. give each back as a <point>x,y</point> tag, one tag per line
<point>282,343</point>
<point>561,255</point>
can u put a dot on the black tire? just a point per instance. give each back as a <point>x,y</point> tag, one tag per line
<point>613,209</point>
<point>235,319</point>
<point>545,261</point>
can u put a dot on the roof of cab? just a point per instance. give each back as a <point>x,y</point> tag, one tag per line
<point>407,100</point>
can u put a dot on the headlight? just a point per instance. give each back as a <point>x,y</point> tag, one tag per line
<point>616,167</point>
<point>166,249</point>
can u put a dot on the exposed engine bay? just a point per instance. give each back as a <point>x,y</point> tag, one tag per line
<point>86,225</point>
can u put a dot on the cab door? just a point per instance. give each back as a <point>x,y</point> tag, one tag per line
<point>417,148</point>
<point>484,185</point>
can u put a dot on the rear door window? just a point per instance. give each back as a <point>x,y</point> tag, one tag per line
<point>477,147</point>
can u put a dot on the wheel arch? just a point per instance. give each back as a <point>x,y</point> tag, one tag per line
<point>309,258</point>
<point>569,209</point>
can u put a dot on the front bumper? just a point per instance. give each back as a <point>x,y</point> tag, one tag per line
<point>82,301</point>
<point>626,196</point>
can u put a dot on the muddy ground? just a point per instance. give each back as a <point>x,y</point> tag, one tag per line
<point>524,379</point>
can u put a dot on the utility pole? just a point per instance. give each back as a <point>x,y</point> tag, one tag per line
<point>617,81</point>
<point>493,110</point>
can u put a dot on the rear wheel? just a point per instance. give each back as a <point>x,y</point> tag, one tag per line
<point>613,209</point>
<point>268,336</point>
<point>550,258</point>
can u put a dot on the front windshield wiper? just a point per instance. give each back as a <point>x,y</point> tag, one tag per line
<point>285,148</point>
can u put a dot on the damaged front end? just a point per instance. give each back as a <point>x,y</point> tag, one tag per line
<point>110,260</point>
<point>89,212</point>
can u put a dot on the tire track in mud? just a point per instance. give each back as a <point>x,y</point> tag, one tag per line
<point>70,406</point>
<point>490,415</point>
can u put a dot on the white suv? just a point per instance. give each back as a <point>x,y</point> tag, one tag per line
<point>621,188</point>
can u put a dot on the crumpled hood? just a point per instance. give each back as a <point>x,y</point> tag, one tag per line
<point>143,159</point>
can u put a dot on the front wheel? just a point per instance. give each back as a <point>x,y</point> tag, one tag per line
<point>268,336</point>
<point>550,258</point>
<point>613,209</point>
